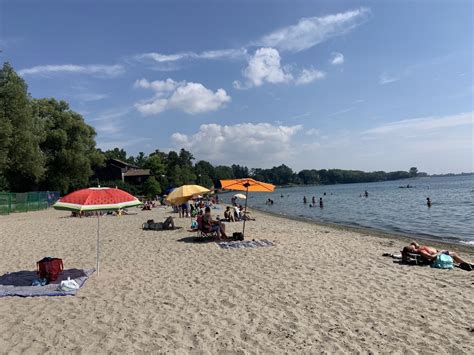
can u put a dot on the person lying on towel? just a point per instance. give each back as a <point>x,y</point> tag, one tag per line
<point>429,254</point>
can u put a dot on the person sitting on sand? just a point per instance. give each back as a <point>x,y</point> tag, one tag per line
<point>429,254</point>
<point>228,215</point>
<point>212,225</point>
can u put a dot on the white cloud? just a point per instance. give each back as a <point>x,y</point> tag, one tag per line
<point>337,59</point>
<point>387,79</point>
<point>255,144</point>
<point>264,66</point>
<point>212,54</point>
<point>423,124</point>
<point>109,123</point>
<point>313,132</point>
<point>340,112</point>
<point>95,70</point>
<point>311,31</point>
<point>189,97</point>
<point>309,75</point>
<point>306,33</point>
<point>87,97</point>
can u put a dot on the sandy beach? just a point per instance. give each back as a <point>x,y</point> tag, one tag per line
<point>319,289</point>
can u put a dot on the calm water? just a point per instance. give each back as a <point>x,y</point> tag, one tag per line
<point>388,207</point>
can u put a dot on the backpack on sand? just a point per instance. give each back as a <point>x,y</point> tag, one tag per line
<point>49,268</point>
<point>443,261</point>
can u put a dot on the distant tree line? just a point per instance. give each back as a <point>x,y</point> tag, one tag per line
<point>44,145</point>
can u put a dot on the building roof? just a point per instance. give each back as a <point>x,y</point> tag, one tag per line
<point>137,172</point>
<point>121,162</point>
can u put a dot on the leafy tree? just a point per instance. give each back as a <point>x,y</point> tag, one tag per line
<point>131,189</point>
<point>309,177</point>
<point>68,144</point>
<point>140,160</point>
<point>156,165</point>
<point>185,158</point>
<point>240,172</point>
<point>118,153</point>
<point>413,172</point>
<point>282,175</point>
<point>204,172</point>
<point>151,187</point>
<point>223,172</point>
<point>21,161</point>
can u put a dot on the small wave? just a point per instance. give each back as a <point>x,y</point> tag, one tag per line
<point>470,242</point>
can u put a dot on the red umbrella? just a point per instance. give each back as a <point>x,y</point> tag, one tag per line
<point>96,199</point>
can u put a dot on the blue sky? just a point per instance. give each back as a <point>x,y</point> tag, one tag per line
<point>313,84</point>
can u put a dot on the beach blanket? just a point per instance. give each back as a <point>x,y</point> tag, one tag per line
<point>19,283</point>
<point>239,244</point>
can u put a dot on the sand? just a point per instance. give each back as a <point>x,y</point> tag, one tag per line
<point>319,289</point>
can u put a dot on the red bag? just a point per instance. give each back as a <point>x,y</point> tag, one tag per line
<point>49,268</point>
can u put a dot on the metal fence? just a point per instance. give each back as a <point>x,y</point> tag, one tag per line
<point>26,201</point>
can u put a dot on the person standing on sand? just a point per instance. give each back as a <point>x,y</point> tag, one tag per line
<point>428,202</point>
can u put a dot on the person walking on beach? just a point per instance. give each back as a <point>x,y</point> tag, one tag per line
<point>321,202</point>
<point>428,202</point>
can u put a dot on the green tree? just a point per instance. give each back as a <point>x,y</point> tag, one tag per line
<point>151,187</point>
<point>309,177</point>
<point>240,171</point>
<point>155,163</point>
<point>204,172</point>
<point>131,189</point>
<point>68,144</point>
<point>223,172</point>
<point>413,172</point>
<point>118,153</point>
<point>21,161</point>
<point>140,160</point>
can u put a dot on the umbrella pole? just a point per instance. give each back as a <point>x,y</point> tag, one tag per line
<point>245,210</point>
<point>98,244</point>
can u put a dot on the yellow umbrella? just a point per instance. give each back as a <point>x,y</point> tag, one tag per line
<point>184,193</point>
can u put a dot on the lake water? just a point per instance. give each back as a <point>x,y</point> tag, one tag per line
<point>387,208</point>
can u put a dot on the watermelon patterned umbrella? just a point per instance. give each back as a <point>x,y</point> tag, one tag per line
<point>96,199</point>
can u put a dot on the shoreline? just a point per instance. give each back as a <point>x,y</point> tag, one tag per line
<point>435,241</point>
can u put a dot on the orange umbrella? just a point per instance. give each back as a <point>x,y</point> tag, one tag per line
<point>247,184</point>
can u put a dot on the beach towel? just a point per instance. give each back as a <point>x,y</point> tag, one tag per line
<point>19,283</point>
<point>239,244</point>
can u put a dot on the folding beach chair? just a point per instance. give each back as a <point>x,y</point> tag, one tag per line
<point>203,232</point>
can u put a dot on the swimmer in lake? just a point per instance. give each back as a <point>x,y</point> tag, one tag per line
<point>321,202</point>
<point>428,202</point>
<point>305,200</point>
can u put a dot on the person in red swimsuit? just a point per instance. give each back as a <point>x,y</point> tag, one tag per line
<point>429,253</point>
